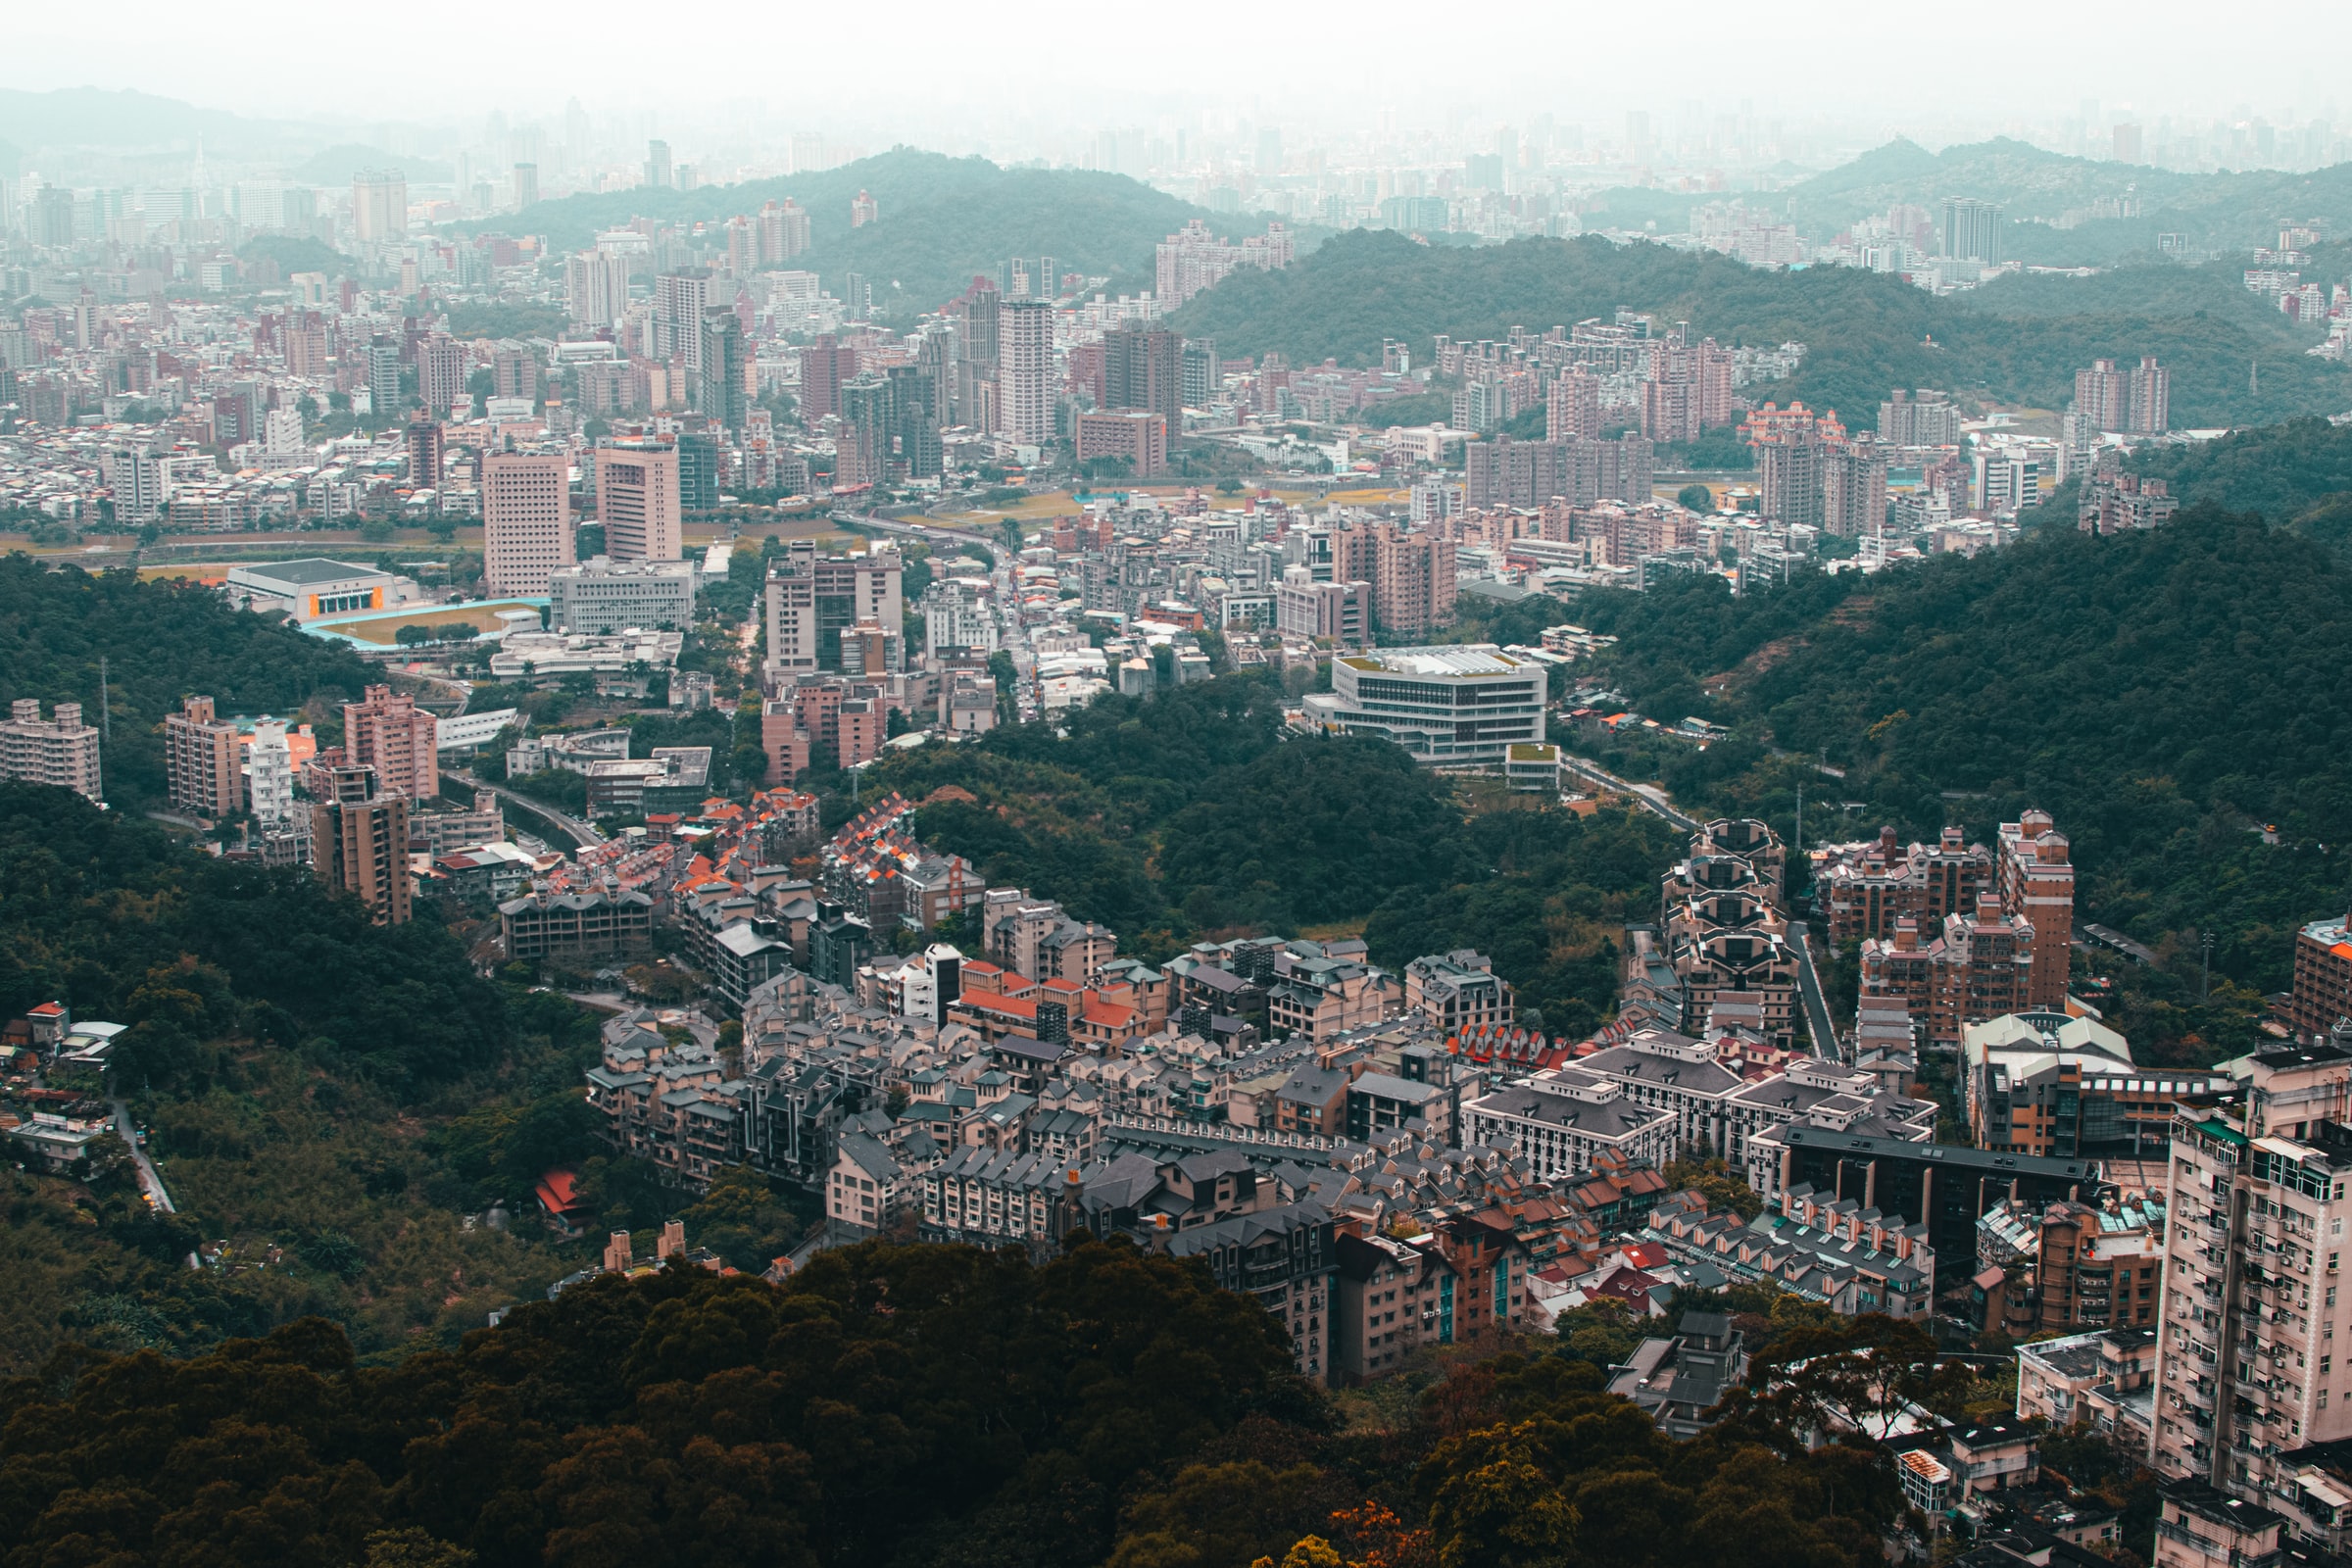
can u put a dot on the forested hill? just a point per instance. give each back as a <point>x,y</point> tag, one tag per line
<point>2165,694</point>
<point>2047,200</point>
<point>2038,190</point>
<point>160,641</point>
<point>1190,816</point>
<point>942,221</point>
<point>1864,332</point>
<point>920,1406</point>
<point>2297,474</point>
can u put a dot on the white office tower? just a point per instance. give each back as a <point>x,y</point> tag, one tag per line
<point>527,519</point>
<point>1025,370</point>
<point>282,433</point>
<point>637,500</point>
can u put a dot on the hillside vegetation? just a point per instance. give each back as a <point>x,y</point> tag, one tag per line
<point>2037,189</point>
<point>290,1058</point>
<point>1865,332</point>
<point>2165,694</point>
<point>2297,474</point>
<point>1190,816</point>
<point>162,641</point>
<point>901,1405</point>
<point>335,1091</point>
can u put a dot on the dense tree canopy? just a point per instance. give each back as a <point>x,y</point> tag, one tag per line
<point>1191,815</point>
<point>2164,694</point>
<point>162,641</point>
<point>894,1405</point>
<point>113,917</point>
<point>2297,476</point>
<point>324,1097</point>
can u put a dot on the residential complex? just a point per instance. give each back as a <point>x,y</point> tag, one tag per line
<point>360,831</point>
<point>58,749</point>
<point>2255,1213</point>
<point>200,760</point>
<point>2055,1085</point>
<point>399,740</point>
<point>526,521</point>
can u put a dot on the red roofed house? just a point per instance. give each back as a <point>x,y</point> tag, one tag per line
<point>994,1016</point>
<point>1106,1025</point>
<point>1630,1286</point>
<point>49,1021</point>
<point>560,1204</point>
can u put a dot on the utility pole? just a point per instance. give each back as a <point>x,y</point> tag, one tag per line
<point>2205,984</point>
<point>106,726</point>
<point>1799,847</point>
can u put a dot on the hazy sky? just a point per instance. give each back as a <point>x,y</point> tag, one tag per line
<point>1805,60</point>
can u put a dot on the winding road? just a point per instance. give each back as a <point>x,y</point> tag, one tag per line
<point>583,834</point>
<point>1818,1022</point>
<point>1650,795</point>
<point>149,1182</point>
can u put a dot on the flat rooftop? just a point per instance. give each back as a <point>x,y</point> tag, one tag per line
<point>1471,659</point>
<point>304,573</point>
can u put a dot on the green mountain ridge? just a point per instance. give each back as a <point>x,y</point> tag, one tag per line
<point>2163,694</point>
<point>94,117</point>
<point>943,220</point>
<point>2225,211</point>
<point>1866,333</point>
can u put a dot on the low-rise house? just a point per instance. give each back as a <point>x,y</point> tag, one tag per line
<point>2059,1264</point>
<point>1458,991</point>
<point>1314,1098</point>
<point>1481,1246</point>
<point>665,1096</point>
<point>1322,996</point>
<point>560,1206</point>
<point>744,958</point>
<point>1855,1259</point>
<point>2102,1381</point>
<point>1285,1257</point>
<point>59,1142</point>
<point>1380,1102</point>
<point>2317,1502</point>
<point>1678,1381</point>
<point>870,1186</point>
<point>1996,1456</point>
<point>2199,1526</point>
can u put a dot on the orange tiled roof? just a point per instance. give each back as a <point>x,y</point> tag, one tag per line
<point>989,1001</point>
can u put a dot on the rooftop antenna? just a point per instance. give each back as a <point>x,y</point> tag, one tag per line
<point>106,724</point>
